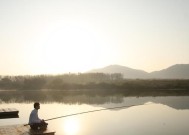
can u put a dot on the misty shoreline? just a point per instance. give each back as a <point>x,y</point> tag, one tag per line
<point>96,83</point>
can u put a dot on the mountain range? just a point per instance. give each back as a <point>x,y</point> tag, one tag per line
<point>178,71</point>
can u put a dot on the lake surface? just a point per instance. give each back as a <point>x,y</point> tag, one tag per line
<point>156,116</point>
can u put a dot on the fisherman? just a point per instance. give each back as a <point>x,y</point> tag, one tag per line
<point>34,121</point>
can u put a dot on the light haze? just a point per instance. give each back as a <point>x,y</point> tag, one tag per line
<point>61,36</point>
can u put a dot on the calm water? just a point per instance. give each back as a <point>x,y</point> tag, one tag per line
<point>159,115</point>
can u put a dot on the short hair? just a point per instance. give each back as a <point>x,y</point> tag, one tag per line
<point>36,104</point>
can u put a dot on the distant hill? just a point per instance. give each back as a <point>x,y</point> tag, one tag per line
<point>178,71</point>
<point>126,71</point>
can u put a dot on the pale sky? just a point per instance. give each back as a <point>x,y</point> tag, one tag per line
<point>61,36</point>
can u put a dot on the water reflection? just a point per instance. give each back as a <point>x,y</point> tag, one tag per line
<point>74,97</point>
<point>71,126</point>
<point>67,97</point>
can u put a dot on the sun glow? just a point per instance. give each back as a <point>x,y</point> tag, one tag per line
<point>71,126</point>
<point>70,48</point>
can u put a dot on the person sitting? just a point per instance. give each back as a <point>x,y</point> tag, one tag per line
<point>34,121</point>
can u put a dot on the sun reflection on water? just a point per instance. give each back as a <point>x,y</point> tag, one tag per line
<point>71,126</point>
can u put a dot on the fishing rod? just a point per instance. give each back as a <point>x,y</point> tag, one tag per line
<point>112,108</point>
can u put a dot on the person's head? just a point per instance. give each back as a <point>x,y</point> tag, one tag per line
<point>36,105</point>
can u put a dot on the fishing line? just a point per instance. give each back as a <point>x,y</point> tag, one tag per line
<point>118,107</point>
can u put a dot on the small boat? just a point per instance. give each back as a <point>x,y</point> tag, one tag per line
<point>8,113</point>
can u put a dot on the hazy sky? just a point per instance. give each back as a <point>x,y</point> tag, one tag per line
<point>58,36</point>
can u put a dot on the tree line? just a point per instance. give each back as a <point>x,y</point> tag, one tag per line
<point>89,81</point>
<point>65,81</point>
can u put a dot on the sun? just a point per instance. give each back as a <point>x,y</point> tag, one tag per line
<point>71,126</point>
<point>70,48</point>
